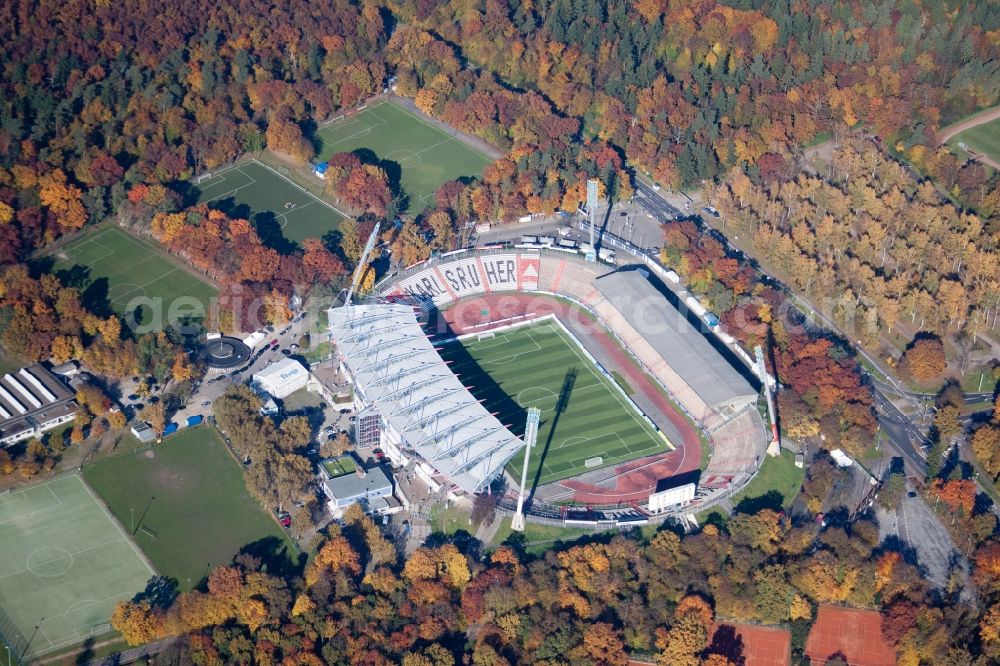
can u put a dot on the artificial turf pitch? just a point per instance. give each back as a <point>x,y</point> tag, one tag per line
<point>530,367</point>
<point>276,206</point>
<point>426,156</point>
<point>65,565</point>
<point>187,502</point>
<point>111,265</point>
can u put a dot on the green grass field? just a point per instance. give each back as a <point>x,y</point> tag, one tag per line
<point>200,513</point>
<point>112,266</point>
<point>983,138</point>
<point>539,538</point>
<point>281,211</point>
<point>776,475</point>
<point>529,367</point>
<point>425,155</point>
<point>65,564</point>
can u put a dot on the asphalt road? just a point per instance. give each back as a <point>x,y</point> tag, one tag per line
<point>900,435</point>
<point>657,205</point>
<point>215,385</point>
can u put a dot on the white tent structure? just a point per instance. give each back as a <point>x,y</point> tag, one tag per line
<point>427,414</point>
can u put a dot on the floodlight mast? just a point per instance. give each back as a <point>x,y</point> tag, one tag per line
<point>592,189</point>
<point>774,448</point>
<point>362,266</point>
<point>530,436</point>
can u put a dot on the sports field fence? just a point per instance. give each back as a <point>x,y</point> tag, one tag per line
<point>13,642</point>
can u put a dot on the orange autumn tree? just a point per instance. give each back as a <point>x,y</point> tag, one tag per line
<point>924,360</point>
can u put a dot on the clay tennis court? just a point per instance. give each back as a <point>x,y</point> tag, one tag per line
<point>751,645</point>
<point>853,634</point>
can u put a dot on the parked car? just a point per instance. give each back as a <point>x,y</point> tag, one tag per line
<point>206,403</point>
<point>328,430</point>
<point>293,346</point>
<point>346,410</point>
<point>269,329</point>
<point>286,352</point>
<point>285,330</point>
<point>274,342</point>
<point>285,520</point>
<point>711,211</point>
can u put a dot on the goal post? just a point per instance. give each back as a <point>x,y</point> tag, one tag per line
<point>487,335</point>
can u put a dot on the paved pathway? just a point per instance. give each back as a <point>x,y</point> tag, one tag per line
<point>970,122</point>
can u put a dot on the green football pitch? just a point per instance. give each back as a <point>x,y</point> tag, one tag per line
<point>279,208</point>
<point>186,501</point>
<point>533,366</point>
<point>113,266</point>
<point>425,155</point>
<point>983,138</point>
<point>65,565</point>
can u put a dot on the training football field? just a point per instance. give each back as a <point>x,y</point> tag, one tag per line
<point>65,565</point>
<point>279,209</point>
<point>424,155</point>
<point>111,267</point>
<point>187,504</point>
<point>540,366</point>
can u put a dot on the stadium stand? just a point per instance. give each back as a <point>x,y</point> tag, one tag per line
<point>425,411</point>
<point>707,385</point>
<point>666,346</point>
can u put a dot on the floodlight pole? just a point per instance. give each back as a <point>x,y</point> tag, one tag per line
<point>592,211</point>
<point>362,266</point>
<point>774,448</point>
<point>530,436</point>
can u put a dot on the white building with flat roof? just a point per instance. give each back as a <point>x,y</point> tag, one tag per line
<point>283,378</point>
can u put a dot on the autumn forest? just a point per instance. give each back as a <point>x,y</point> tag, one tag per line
<point>109,111</point>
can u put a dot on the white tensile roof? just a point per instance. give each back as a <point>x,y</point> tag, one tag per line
<point>396,369</point>
<point>285,370</point>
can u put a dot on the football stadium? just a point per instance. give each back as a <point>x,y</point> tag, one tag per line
<point>446,357</point>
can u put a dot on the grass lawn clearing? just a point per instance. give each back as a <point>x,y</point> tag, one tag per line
<point>776,475</point>
<point>283,213</point>
<point>111,268</point>
<point>187,502</point>
<point>536,532</point>
<point>9,363</point>
<point>65,565</point>
<point>980,139</point>
<point>532,366</point>
<point>450,520</point>
<point>418,153</point>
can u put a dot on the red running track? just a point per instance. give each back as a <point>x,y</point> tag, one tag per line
<point>635,479</point>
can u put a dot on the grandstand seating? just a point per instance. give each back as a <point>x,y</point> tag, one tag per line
<point>738,440</point>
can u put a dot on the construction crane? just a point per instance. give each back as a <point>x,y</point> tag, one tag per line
<point>530,436</point>
<point>362,264</point>
<point>774,448</point>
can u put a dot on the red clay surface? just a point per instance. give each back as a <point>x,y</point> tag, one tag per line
<point>851,633</point>
<point>635,478</point>
<point>751,645</point>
